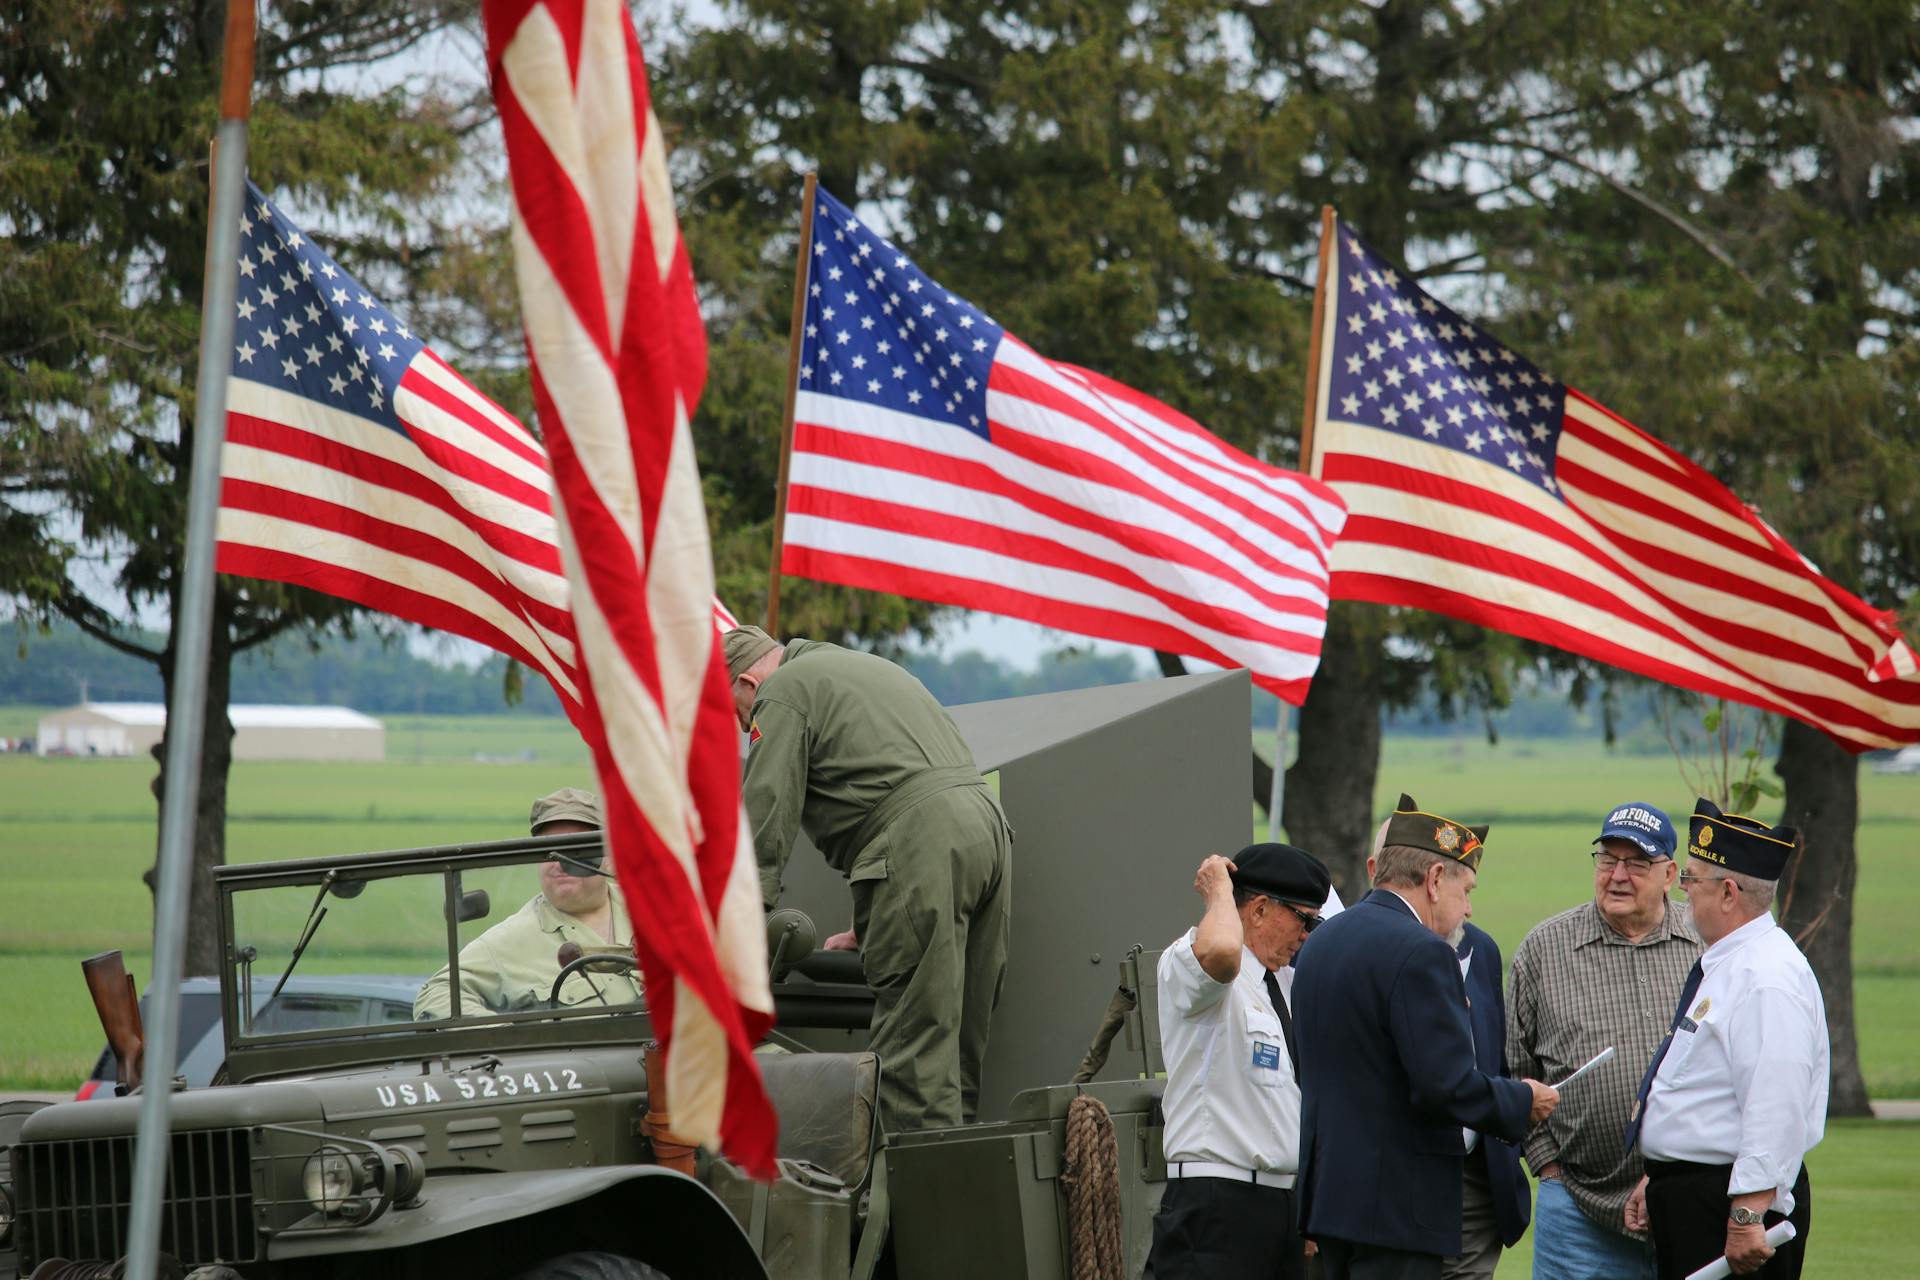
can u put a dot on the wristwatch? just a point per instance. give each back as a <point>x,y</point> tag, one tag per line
<point>1744,1217</point>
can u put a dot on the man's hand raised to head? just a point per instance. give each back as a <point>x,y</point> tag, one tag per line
<point>1545,1099</point>
<point>1215,878</point>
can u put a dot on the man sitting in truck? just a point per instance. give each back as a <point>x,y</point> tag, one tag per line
<point>513,965</point>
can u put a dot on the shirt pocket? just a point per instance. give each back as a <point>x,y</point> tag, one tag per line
<point>1264,1050</point>
<point>1689,1047</point>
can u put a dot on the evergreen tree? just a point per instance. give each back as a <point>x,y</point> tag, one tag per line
<point>106,112</point>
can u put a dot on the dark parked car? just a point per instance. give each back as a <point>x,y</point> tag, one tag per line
<point>307,1004</point>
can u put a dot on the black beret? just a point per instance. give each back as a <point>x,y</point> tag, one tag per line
<point>1415,828</point>
<point>1283,872</point>
<point>1739,843</point>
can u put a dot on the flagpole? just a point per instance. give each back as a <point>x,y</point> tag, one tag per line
<point>802,265</point>
<point>193,624</point>
<point>1313,340</point>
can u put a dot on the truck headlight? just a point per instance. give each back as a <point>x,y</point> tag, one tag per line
<point>331,1179</point>
<point>6,1215</point>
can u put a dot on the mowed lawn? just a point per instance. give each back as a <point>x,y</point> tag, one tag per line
<point>80,832</point>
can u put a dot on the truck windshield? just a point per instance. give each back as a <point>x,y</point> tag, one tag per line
<point>349,949</point>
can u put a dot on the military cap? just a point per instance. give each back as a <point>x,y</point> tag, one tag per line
<point>1739,843</point>
<point>1643,825</point>
<point>568,804</point>
<point>1416,829</point>
<point>745,646</point>
<point>1283,872</point>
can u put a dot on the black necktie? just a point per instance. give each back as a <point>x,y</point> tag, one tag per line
<point>1286,1021</point>
<point>1639,1112</point>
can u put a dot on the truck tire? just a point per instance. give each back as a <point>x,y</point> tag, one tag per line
<point>592,1266</point>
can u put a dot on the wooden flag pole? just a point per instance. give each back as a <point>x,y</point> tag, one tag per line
<point>802,268</point>
<point>1327,233</point>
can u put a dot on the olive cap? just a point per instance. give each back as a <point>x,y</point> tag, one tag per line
<point>568,804</point>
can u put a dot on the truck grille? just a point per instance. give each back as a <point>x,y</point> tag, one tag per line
<point>73,1198</point>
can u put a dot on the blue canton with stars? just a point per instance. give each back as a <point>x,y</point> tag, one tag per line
<point>880,332</point>
<point>1405,363</point>
<point>307,327</point>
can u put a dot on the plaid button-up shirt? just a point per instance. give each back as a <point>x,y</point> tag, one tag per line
<point>1575,987</point>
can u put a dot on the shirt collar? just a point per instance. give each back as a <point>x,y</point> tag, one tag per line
<point>1675,922</point>
<point>1748,933</point>
<point>554,920</point>
<point>1401,898</point>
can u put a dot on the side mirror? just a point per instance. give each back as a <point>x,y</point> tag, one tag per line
<point>791,938</point>
<point>474,905</point>
<point>346,887</point>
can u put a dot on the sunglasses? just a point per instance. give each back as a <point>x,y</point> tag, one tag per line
<point>1307,922</point>
<point>580,864</point>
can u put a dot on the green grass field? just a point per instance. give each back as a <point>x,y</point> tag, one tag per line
<point>80,832</point>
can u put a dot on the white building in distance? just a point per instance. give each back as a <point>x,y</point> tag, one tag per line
<point>260,732</point>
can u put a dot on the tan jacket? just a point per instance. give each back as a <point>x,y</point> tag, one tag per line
<point>512,965</point>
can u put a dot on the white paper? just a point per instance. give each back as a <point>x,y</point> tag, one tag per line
<point>1778,1234</point>
<point>1595,1061</point>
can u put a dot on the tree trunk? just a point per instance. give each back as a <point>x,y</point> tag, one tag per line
<point>1329,789</point>
<point>210,828</point>
<point>1816,893</point>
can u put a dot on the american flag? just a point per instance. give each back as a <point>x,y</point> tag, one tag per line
<point>935,455</point>
<point>360,464</point>
<point>619,356</point>
<point>1483,488</point>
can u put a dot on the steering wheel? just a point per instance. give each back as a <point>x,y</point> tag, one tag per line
<point>627,964</point>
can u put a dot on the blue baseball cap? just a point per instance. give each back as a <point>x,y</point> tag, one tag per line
<point>1644,825</point>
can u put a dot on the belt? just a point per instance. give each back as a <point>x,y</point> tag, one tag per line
<point>1233,1172</point>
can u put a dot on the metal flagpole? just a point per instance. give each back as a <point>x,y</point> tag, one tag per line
<point>802,267</point>
<point>186,717</point>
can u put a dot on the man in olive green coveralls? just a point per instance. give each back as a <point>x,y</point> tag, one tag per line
<point>855,751</point>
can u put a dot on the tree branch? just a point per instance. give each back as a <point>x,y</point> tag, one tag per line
<point>1671,216</point>
<point>81,615</point>
<point>264,632</point>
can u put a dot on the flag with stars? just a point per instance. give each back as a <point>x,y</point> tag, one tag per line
<point>937,456</point>
<point>358,463</point>
<point>1481,487</point>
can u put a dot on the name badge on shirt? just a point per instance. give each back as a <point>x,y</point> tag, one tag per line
<point>1266,1056</point>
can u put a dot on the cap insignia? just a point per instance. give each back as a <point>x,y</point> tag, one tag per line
<point>1706,836</point>
<point>1447,837</point>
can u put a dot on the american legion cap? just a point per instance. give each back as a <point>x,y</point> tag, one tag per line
<point>1417,829</point>
<point>1739,843</point>
<point>1641,824</point>
<point>1282,872</point>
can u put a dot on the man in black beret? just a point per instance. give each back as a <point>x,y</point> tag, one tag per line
<point>1736,1095</point>
<point>1389,1078</point>
<point>1233,1102</point>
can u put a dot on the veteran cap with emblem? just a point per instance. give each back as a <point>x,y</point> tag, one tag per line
<point>568,804</point>
<point>1739,843</point>
<point>1642,825</point>
<point>1417,829</point>
<point>743,647</point>
<point>1282,872</point>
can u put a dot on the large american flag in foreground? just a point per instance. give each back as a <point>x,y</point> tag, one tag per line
<point>619,356</point>
<point>935,455</point>
<point>1482,488</point>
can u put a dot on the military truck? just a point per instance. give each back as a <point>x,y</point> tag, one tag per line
<point>516,1141</point>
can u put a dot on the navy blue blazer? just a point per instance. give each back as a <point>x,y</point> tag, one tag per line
<point>1512,1198</point>
<point>1388,1079</point>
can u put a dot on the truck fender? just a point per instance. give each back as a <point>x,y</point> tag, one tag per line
<point>646,1212</point>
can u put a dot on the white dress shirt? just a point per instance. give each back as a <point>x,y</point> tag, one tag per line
<point>1231,1095</point>
<point>1745,1082</point>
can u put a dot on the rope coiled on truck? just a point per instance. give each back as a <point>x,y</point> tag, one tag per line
<point>1092,1179</point>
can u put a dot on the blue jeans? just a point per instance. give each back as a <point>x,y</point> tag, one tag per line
<point>1569,1246</point>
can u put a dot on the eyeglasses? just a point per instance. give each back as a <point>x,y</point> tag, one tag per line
<point>1604,863</point>
<point>1688,878</point>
